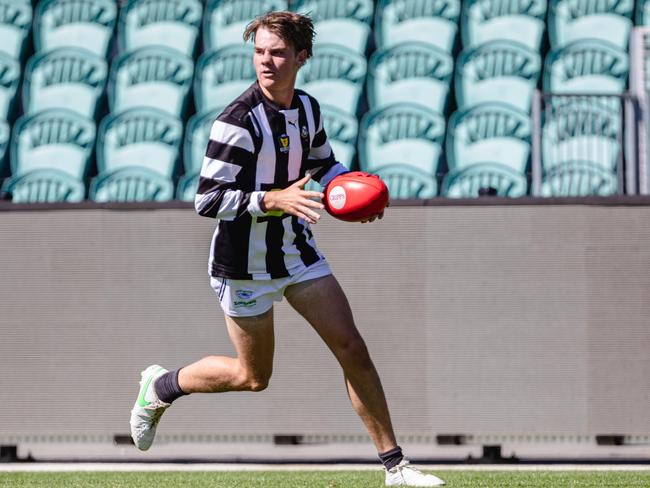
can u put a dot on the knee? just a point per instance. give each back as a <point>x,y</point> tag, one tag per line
<point>258,384</point>
<point>353,352</point>
<point>254,381</point>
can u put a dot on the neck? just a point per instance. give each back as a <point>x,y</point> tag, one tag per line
<point>282,98</point>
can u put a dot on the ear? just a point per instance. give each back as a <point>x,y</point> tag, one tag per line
<point>302,57</point>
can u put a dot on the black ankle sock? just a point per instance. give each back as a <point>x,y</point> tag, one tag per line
<point>167,387</point>
<point>391,458</point>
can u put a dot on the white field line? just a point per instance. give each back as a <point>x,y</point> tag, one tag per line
<point>125,467</point>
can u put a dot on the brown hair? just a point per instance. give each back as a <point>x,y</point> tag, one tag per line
<point>293,28</point>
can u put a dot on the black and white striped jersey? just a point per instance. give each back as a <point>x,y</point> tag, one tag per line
<point>256,146</point>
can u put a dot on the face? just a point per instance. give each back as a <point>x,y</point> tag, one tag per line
<point>276,61</point>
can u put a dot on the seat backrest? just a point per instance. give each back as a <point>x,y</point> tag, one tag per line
<point>226,20</point>
<point>490,132</point>
<point>15,24</point>
<point>156,77</point>
<point>642,15</point>
<point>5,133</point>
<point>404,181</point>
<point>586,67</point>
<point>466,182</point>
<point>342,130</point>
<point>222,75</point>
<point>430,21</point>
<point>45,186</point>
<point>171,23</point>
<point>523,22</point>
<point>578,179</point>
<point>9,80</point>
<point>335,76</point>
<point>607,20</point>
<point>497,71</point>
<point>410,72</point>
<point>75,23</point>
<point>405,133</point>
<point>66,77</point>
<point>139,137</point>
<point>52,139</point>
<point>197,135</point>
<point>342,22</point>
<point>132,184</point>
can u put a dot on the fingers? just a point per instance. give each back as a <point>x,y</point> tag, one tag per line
<point>313,194</point>
<point>302,182</point>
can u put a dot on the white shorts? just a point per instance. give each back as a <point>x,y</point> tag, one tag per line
<point>248,298</point>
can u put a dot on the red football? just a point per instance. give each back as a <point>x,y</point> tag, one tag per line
<point>355,196</point>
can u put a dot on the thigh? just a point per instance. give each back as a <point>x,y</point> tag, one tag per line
<point>324,305</point>
<point>254,341</point>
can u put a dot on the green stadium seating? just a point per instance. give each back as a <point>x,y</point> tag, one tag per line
<point>87,24</point>
<point>52,139</point>
<point>642,15</point>
<point>71,78</point>
<point>45,186</point>
<point>576,20</point>
<point>342,22</point>
<point>404,181</point>
<point>586,67</point>
<point>578,179</point>
<point>5,135</point>
<point>497,71</point>
<point>171,23</point>
<point>131,185</point>
<point>187,186</point>
<point>9,80</point>
<point>223,75</point>
<point>466,182</point>
<point>15,24</point>
<point>156,77</point>
<point>335,76</point>
<point>503,20</point>
<point>434,22</point>
<point>581,129</point>
<point>342,130</point>
<point>139,137</point>
<point>226,20</point>
<point>405,134</point>
<point>489,133</point>
<point>411,72</point>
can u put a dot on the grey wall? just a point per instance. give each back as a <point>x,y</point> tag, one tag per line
<point>481,320</point>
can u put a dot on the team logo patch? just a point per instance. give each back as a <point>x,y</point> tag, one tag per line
<point>244,294</point>
<point>303,132</point>
<point>284,143</point>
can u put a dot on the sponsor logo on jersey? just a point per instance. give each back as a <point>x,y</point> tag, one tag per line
<point>244,294</point>
<point>337,197</point>
<point>284,143</point>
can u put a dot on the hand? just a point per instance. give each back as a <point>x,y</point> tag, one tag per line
<point>379,216</point>
<point>294,200</point>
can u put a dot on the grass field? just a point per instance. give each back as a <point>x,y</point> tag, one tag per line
<point>321,479</point>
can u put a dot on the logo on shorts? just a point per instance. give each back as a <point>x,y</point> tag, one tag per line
<point>284,143</point>
<point>245,303</point>
<point>244,294</point>
<point>337,197</point>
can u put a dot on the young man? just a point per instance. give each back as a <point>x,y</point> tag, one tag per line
<point>263,149</point>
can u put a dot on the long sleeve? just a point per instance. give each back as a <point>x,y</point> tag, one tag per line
<point>225,173</point>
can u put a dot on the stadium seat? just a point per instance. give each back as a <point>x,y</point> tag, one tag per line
<point>139,137</point>
<point>226,20</point>
<point>586,67</point>
<point>9,80</point>
<point>578,179</point>
<point>404,181</point>
<point>71,78</point>
<point>156,77</point>
<point>15,24</point>
<point>45,186</point>
<point>489,133</point>
<point>187,187</point>
<point>581,129</point>
<point>171,23</point>
<point>342,22</point>
<point>131,185</point>
<point>405,134</point>
<point>411,72</point>
<point>503,20</point>
<point>575,20</point>
<point>52,139</point>
<point>342,130</point>
<point>466,182</point>
<point>642,15</point>
<point>434,22</point>
<point>87,24</point>
<point>5,135</point>
<point>497,71</point>
<point>335,76</point>
<point>223,75</point>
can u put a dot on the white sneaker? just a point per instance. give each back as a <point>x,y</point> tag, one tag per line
<point>148,408</point>
<point>404,474</point>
